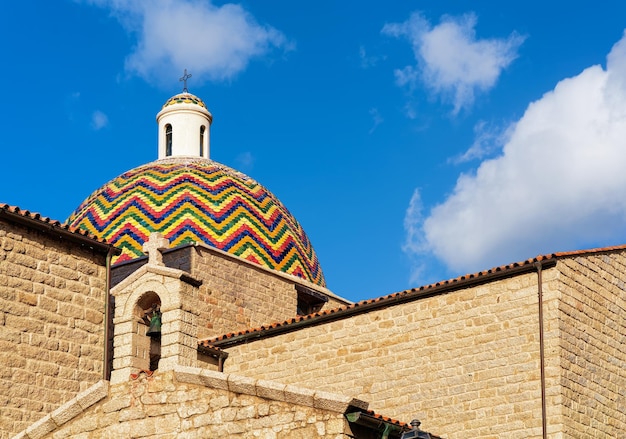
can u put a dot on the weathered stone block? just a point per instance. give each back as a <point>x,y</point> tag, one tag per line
<point>131,414</point>
<point>189,375</point>
<point>67,411</point>
<point>191,408</point>
<point>299,395</point>
<point>214,379</point>
<point>94,316</point>
<point>116,403</point>
<point>241,384</point>
<point>41,428</point>
<point>92,395</point>
<point>270,390</point>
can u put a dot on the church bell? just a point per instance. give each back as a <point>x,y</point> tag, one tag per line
<point>155,326</point>
<point>155,323</point>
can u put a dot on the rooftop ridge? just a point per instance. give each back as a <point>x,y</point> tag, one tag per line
<point>401,296</point>
<point>35,218</point>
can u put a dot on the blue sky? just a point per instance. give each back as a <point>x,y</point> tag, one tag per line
<point>414,140</point>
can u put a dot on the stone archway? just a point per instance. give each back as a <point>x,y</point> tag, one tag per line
<point>147,314</point>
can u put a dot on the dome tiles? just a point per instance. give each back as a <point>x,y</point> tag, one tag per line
<point>198,200</point>
<point>184,98</point>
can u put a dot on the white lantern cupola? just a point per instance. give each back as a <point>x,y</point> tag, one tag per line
<point>184,126</point>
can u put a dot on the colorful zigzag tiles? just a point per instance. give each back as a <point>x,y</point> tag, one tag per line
<point>193,199</point>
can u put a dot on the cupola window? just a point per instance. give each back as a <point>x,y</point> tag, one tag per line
<point>168,140</point>
<point>202,129</point>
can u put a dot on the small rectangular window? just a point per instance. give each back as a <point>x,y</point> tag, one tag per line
<point>309,301</point>
<point>202,129</point>
<point>168,140</point>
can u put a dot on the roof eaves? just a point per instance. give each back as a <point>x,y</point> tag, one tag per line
<point>363,306</point>
<point>389,427</point>
<point>211,350</point>
<point>46,224</point>
<point>590,251</point>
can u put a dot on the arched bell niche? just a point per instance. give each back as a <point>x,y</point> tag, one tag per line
<point>147,313</point>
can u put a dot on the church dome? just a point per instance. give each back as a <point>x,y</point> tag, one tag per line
<point>194,199</point>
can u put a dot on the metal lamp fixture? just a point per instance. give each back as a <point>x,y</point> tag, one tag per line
<point>415,432</point>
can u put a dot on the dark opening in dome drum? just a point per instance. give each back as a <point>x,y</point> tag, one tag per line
<point>198,200</point>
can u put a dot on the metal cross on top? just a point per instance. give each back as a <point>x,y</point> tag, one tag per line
<point>184,79</point>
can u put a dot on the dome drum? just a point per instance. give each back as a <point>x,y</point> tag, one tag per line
<point>184,127</point>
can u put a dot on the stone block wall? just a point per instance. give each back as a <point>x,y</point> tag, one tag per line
<point>52,304</point>
<point>466,363</point>
<point>234,295</point>
<point>592,321</point>
<point>178,343</point>
<point>240,296</point>
<point>191,403</point>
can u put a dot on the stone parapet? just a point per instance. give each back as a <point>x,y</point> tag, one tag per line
<point>190,402</point>
<point>268,389</point>
<point>66,412</point>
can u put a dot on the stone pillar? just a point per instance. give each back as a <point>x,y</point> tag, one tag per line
<point>179,339</point>
<point>131,346</point>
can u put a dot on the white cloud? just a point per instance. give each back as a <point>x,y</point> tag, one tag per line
<point>99,120</point>
<point>450,61</point>
<point>377,119</point>
<point>212,42</point>
<point>414,245</point>
<point>559,183</point>
<point>488,138</point>
<point>368,61</point>
<point>410,111</point>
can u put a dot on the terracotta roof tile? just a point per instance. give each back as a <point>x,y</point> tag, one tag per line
<point>433,288</point>
<point>590,251</point>
<point>388,419</point>
<point>206,344</point>
<point>402,426</point>
<point>44,220</point>
<point>26,213</point>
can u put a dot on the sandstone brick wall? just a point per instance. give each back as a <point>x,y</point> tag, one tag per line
<point>592,321</point>
<point>188,404</point>
<point>240,296</point>
<point>52,297</point>
<point>234,295</point>
<point>466,363</point>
